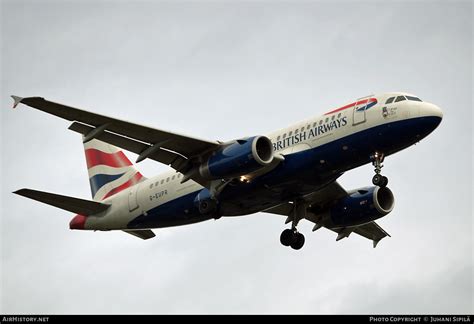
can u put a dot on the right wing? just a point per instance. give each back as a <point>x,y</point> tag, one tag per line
<point>319,200</point>
<point>371,231</point>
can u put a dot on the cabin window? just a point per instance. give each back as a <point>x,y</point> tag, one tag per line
<point>151,186</point>
<point>321,122</point>
<point>339,115</point>
<point>157,183</point>
<point>172,178</point>
<point>302,128</point>
<point>314,124</point>
<point>162,181</point>
<point>296,131</point>
<point>278,138</point>
<point>179,175</point>
<point>168,179</point>
<point>284,135</point>
<point>290,133</point>
<point>327,119</point>
<point>333,117</point>
<point>400,98</point>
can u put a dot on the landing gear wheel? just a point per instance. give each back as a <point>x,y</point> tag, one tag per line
<point>377,179</point>
<point>298,241</point>
<point>286,237</point>
<point>380,180</point>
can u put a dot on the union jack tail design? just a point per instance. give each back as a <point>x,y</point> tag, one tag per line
<point>110,171</point>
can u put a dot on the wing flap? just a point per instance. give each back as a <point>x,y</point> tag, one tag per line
<point>372,231</point>
<point>321,197</point>
<point>161,155</point>
<point>75,205</point>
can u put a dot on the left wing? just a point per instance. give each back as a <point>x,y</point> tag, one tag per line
<point>318,201</point>
<point>184,145</point>
<point>178,151</point>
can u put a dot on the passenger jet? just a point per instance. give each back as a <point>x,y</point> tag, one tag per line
<point>290,172</point>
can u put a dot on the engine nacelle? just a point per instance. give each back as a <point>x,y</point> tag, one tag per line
<point>239,158</point>
<point>206,204</point>
<point>362,206</point>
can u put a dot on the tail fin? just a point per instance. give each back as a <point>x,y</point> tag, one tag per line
<point>110,171</point>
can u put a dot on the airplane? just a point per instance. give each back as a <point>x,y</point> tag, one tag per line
<point>291,172</point>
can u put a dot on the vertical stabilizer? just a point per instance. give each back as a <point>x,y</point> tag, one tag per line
<point>110,171</point>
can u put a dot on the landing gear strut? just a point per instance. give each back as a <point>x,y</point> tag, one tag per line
<point>293,238</point>
<point>378,179</point>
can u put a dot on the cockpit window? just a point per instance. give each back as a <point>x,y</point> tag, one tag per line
<point>400,98</point>
<point>389,100</point>
<point>413,98</point>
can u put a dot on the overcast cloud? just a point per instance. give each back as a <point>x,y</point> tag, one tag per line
<point>223,71</point>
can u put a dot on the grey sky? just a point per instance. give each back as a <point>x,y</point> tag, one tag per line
<point>222,71</point>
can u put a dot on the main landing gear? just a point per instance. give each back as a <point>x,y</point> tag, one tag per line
<point>378,179</point>
<point>293,238</point>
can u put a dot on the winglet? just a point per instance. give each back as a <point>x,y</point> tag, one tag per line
<point>16,100</point>
<point>376,242</point>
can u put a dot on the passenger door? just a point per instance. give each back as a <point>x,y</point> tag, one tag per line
<point>359,114</point>
<point>132,198</point>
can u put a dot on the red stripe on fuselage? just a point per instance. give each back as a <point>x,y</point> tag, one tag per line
<point>134,180</point>
<point>352,105</point>
<point>117,160</point>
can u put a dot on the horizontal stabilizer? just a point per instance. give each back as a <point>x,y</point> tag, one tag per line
<point>143,234</point>
<point>75,205</point>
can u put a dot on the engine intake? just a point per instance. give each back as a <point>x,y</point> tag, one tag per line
<point>362,206</point>
<point>238,158</point>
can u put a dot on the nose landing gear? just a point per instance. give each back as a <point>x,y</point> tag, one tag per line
<point>378,179</point>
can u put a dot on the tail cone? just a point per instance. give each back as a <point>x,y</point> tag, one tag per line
<point>78,222</point>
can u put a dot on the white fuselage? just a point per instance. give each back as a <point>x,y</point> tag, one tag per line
<point>305,135</point>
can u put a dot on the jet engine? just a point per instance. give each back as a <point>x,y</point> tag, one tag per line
<point>238,158</point>
<point>362,206</point>
<point>206,204</point>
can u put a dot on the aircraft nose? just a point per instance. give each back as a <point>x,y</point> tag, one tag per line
<point>431,116</point>
<point>432,111</point>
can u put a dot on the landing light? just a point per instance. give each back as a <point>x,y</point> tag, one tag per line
<point>244,179</point>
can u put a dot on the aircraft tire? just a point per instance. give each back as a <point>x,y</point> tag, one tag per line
<point>286,237</point>
<point>298,242</point>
